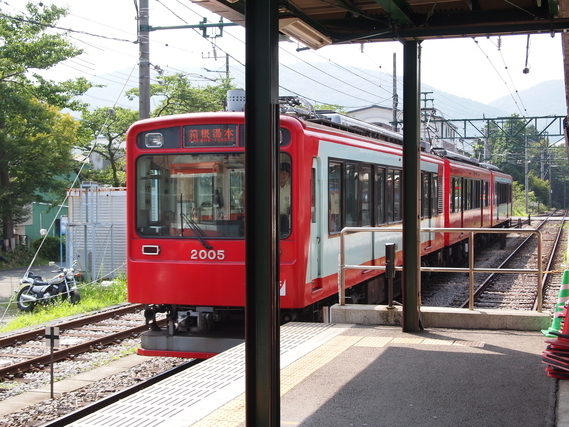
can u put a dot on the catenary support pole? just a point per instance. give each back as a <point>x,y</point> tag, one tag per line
<point>411,174</point>
<point>143,61</point>
<point>262,341</point>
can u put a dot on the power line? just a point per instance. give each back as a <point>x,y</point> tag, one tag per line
<point>70,30</point>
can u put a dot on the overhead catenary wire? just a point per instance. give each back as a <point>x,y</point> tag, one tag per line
<point>500,76</point>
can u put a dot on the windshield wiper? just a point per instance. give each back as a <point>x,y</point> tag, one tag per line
<point>198,232</point>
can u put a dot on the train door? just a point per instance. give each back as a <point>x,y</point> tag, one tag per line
<point>366,191</point>
<point>316,231</point>
<point>429,206</point>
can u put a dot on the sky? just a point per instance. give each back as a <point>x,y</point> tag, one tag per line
<point>481,69</point>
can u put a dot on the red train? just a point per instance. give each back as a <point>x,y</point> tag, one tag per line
<point>186,218</point>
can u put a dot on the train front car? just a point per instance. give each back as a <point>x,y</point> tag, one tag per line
<point>186,230</point>
<point>186,219</point>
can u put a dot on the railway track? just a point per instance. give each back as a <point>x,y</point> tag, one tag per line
<point>24,352</point>
<point>520,291</point>
<point>508,291</point>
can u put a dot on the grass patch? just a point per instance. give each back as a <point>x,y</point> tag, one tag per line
<point>94,296</point>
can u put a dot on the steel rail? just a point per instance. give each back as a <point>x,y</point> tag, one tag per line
<point>68,324</point>
<point>37,362</point>
<point>547,274</point>
<point>471,270</point>
<point>482,287</point>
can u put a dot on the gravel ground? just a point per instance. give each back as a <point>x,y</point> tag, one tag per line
<point>51,409</point>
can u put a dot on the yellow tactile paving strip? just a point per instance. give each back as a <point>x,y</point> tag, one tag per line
<point>233,413</point>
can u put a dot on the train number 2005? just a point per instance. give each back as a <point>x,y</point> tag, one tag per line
<point>211,254</point>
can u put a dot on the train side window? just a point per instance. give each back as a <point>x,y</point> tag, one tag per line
<point>365,196</point>
<point>478,193</point>
<point>441,197</point>
<point>425,194</point>
<point>497,192</point>
<point>485,200</point>
<point>285,194</point>
<point>397,199</point>
<point>351,194</point>
<point>456,194</point>
<point>380,195</point>
<point>434,195</point>
<point>334,197</point>
<point>467,196</point>
<point>496,195</point>
<point>313,196</point>
<point>389,198</point>
<point>393,195</point>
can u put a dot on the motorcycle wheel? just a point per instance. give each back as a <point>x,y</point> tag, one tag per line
<point>74,297</point>
<point>23,304</point>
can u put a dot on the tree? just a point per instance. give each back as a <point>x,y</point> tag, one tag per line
<point>111,124</point>
<point>177,95</point>
<point>35,139</point>
<point>35,154</point>
<point>330,107</point>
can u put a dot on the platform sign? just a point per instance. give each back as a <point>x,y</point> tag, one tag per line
<point>63,223</point>
<point>52,336</point>
<point>52,341</point>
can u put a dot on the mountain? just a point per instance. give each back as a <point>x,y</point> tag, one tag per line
<point>544,99</point>
<point>353,88</point>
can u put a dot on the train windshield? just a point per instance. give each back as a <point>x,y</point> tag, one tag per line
<point>191,195</point>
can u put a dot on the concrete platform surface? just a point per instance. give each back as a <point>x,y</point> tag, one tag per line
<point>347,375</point>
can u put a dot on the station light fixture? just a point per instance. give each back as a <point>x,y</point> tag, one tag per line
<point>304,33</point>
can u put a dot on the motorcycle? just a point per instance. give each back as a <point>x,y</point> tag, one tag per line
<point>34,290</point>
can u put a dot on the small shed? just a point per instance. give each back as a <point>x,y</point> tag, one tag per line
<point>96,232</point>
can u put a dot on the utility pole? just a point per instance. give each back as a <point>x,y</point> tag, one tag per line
<point>526,161</point>
<point>144,61</point>
<point>486,141</point>
<point>227,66</point>
<point>395,97</point>
<point>144,29</point>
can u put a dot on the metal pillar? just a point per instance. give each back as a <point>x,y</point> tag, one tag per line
<point>262,367</point>
<point>411,176</point>
<point>144,61</point>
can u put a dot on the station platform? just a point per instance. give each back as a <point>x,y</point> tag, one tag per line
<point>366,375</point>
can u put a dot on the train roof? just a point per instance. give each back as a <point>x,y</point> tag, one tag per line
<point>451,155</point>
<point>302,109</point>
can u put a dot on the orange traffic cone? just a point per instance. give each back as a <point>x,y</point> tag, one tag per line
<point>559,308</point>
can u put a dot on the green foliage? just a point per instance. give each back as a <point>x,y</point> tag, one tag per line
<point>519,206</point>
<point>49,249</point>
<point>94,297</point>
<point>107,127</point>
<point>21,256</point>
<point>178,95</point>
<point>330,107</point>
<point>35,138</point>
<point>539,187</point>
<point>522,151</point>
<point>507,144</point>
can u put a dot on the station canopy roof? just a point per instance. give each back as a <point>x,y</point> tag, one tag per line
<point>317,23</point>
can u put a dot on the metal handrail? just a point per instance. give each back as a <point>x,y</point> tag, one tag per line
<point>342,267</point>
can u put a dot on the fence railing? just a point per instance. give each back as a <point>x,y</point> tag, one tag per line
<point>471,270</point>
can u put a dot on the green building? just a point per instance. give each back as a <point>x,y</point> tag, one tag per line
<point>44,219</point>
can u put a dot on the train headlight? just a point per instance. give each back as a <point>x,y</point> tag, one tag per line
<point>153,140</point>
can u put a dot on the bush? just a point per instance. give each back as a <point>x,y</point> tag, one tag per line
<point>49,250</point>
<point>21,255</point>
